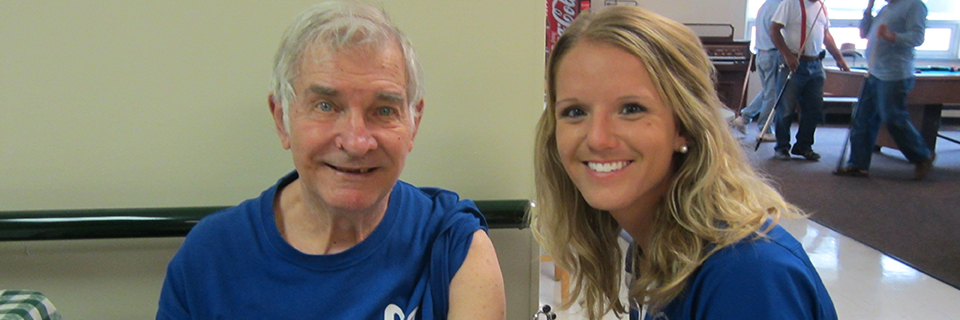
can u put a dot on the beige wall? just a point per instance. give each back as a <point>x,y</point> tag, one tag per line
<point>163,103</point>
<point>91,279</point>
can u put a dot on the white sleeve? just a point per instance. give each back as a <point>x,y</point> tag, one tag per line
<point>783,13</point>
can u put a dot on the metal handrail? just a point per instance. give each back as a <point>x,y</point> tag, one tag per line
<point>172,222</point>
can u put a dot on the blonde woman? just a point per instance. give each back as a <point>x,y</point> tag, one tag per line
<point>632,139</point>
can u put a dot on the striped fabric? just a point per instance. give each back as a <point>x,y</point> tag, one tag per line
<point>26,305</point>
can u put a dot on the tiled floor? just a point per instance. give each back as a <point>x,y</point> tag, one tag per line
<point>864,283</point>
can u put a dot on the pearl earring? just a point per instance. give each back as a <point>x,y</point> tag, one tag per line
<point>684,149</point>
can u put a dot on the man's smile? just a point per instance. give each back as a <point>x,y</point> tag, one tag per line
<point>352,170</point>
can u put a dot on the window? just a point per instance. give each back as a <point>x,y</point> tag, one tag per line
<point>940,41</point>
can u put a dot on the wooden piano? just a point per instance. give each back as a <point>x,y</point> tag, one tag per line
<point>731,58</point>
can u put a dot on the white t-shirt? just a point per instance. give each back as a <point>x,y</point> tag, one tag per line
<point>788,14</point>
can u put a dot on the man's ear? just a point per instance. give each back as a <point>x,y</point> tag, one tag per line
<point>277,111</point>
<point>416,121</point>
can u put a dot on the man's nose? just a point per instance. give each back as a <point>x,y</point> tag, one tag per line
<point>355,135</point>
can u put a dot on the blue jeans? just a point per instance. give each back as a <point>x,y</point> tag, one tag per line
<point>770,75</point>
<point>805,89</point>
<point>884,102</point>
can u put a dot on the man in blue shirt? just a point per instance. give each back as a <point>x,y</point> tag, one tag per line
<point>769,71</point>
<point>341,237</point>
<point>893,36</point>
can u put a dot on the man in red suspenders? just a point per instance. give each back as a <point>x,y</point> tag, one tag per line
<point>800,30</point>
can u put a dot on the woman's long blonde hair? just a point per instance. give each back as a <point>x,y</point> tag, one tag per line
<point>715,197</point>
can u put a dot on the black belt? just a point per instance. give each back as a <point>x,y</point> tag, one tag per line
<point>823,54</point>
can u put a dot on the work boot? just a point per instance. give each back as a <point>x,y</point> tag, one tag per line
<point>923,168</point>
<point>808,154</point>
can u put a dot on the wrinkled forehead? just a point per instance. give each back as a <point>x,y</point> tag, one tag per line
<point>387,58</point>
<point>387,53</point>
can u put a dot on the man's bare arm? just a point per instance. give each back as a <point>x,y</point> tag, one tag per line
<point>476,291</point>
<point>834,51</point>
<point>781,44</point>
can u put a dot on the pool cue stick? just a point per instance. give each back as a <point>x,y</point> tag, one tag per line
<point>853,113</point>
<point>846,142</point>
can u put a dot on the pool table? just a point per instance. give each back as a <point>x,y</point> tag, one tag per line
<point>935,88</point>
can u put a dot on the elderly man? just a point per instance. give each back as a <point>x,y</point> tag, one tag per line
<point>341,237</point>
<point>893,36</point>
<point>800,30</point>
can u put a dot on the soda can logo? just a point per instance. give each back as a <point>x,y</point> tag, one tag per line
<point>564,11</point>
<point>560,14</point>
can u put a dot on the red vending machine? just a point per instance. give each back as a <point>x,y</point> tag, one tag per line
<point>560,13</point>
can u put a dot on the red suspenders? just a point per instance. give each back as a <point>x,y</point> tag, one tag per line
<point>803,27</point>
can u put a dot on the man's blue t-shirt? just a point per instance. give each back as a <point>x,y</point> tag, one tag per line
<point>234,264</point>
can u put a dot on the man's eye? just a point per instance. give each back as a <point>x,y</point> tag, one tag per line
<point>325,107</point>
<point>386,111</point>
<point>631,108</point>
<point>572,112</point>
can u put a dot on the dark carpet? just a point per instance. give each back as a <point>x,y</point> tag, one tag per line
<point>916,222</point>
